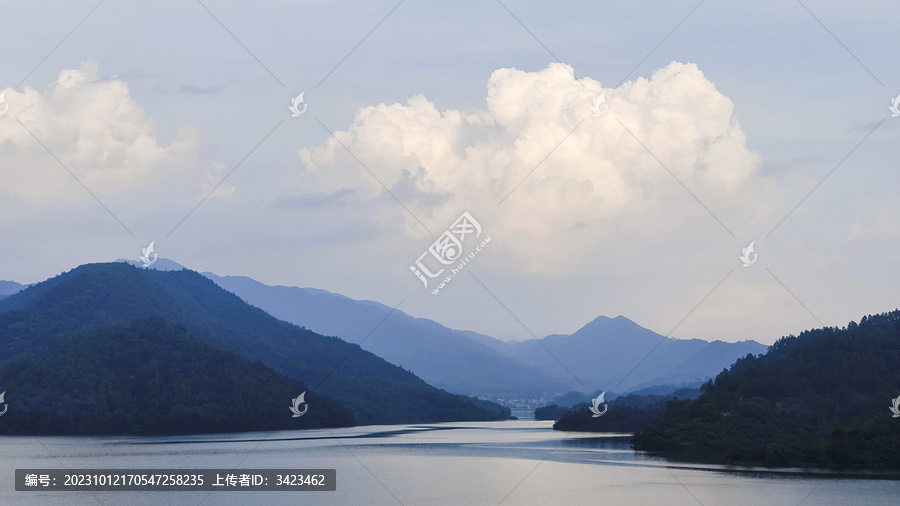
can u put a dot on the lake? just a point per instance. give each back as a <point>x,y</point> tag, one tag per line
<point>510,463</point>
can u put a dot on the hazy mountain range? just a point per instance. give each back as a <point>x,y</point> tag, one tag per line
<point>606,353</point>
<point>443,357</point>
<point>89,299</point>
<point>618,354</point>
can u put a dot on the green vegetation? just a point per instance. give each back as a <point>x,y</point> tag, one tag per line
<point>629,413</point>
<point>618,419</point>
<point>150,377</point>
<point>44,316</point>
<point>818,399</point>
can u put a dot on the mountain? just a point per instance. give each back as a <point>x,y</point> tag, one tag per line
<point>601,353</point>
<point>8,288</point>
<point>150,377</point>
<point>823,398</point>
<point>43,316</point>
<point>609,351</point>
<point>457,361</point>
<point>160,264</point>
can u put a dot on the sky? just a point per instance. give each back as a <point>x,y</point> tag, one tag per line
<point>619,158</point>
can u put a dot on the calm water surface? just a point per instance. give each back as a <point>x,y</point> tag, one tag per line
<point>512,462</point>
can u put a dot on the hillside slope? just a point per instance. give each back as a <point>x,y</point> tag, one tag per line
<point>40,317</point>
<point>444,357</point>
<point>819,399</point>
<point>150,377</point>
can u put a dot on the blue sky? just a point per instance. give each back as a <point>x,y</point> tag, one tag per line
<point>722,119</point>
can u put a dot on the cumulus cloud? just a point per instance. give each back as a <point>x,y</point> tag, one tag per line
<point>590,177</point>
<point>99,132</point>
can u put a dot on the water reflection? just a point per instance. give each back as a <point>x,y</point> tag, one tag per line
<point>517,462</point>
<point>605,442</point>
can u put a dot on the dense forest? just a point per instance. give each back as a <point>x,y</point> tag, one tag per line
<point>621,419</point>
<point>44,316</point>
<point>151,377</point>
<point>627,413</point>
<point>818,399</point>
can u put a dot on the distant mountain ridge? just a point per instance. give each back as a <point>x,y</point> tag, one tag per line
<point>443,357</point>
<point>625,356</point>
<point>599,355</point>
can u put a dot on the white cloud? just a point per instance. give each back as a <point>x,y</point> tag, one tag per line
<point>98,131</point>
<point>598,181</point>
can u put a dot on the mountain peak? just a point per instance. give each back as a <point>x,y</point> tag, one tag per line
<point>601,319</point>
<point>619,323</point>
<point>161,264</point>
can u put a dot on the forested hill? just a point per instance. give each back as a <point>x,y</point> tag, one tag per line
<point>43,316</point>
<point>822,398</point>
<point>630,413</point>
<point>150,377</point>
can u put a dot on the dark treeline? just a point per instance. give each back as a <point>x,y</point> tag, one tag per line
<point>818,399</point>
<point>628,413</point>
